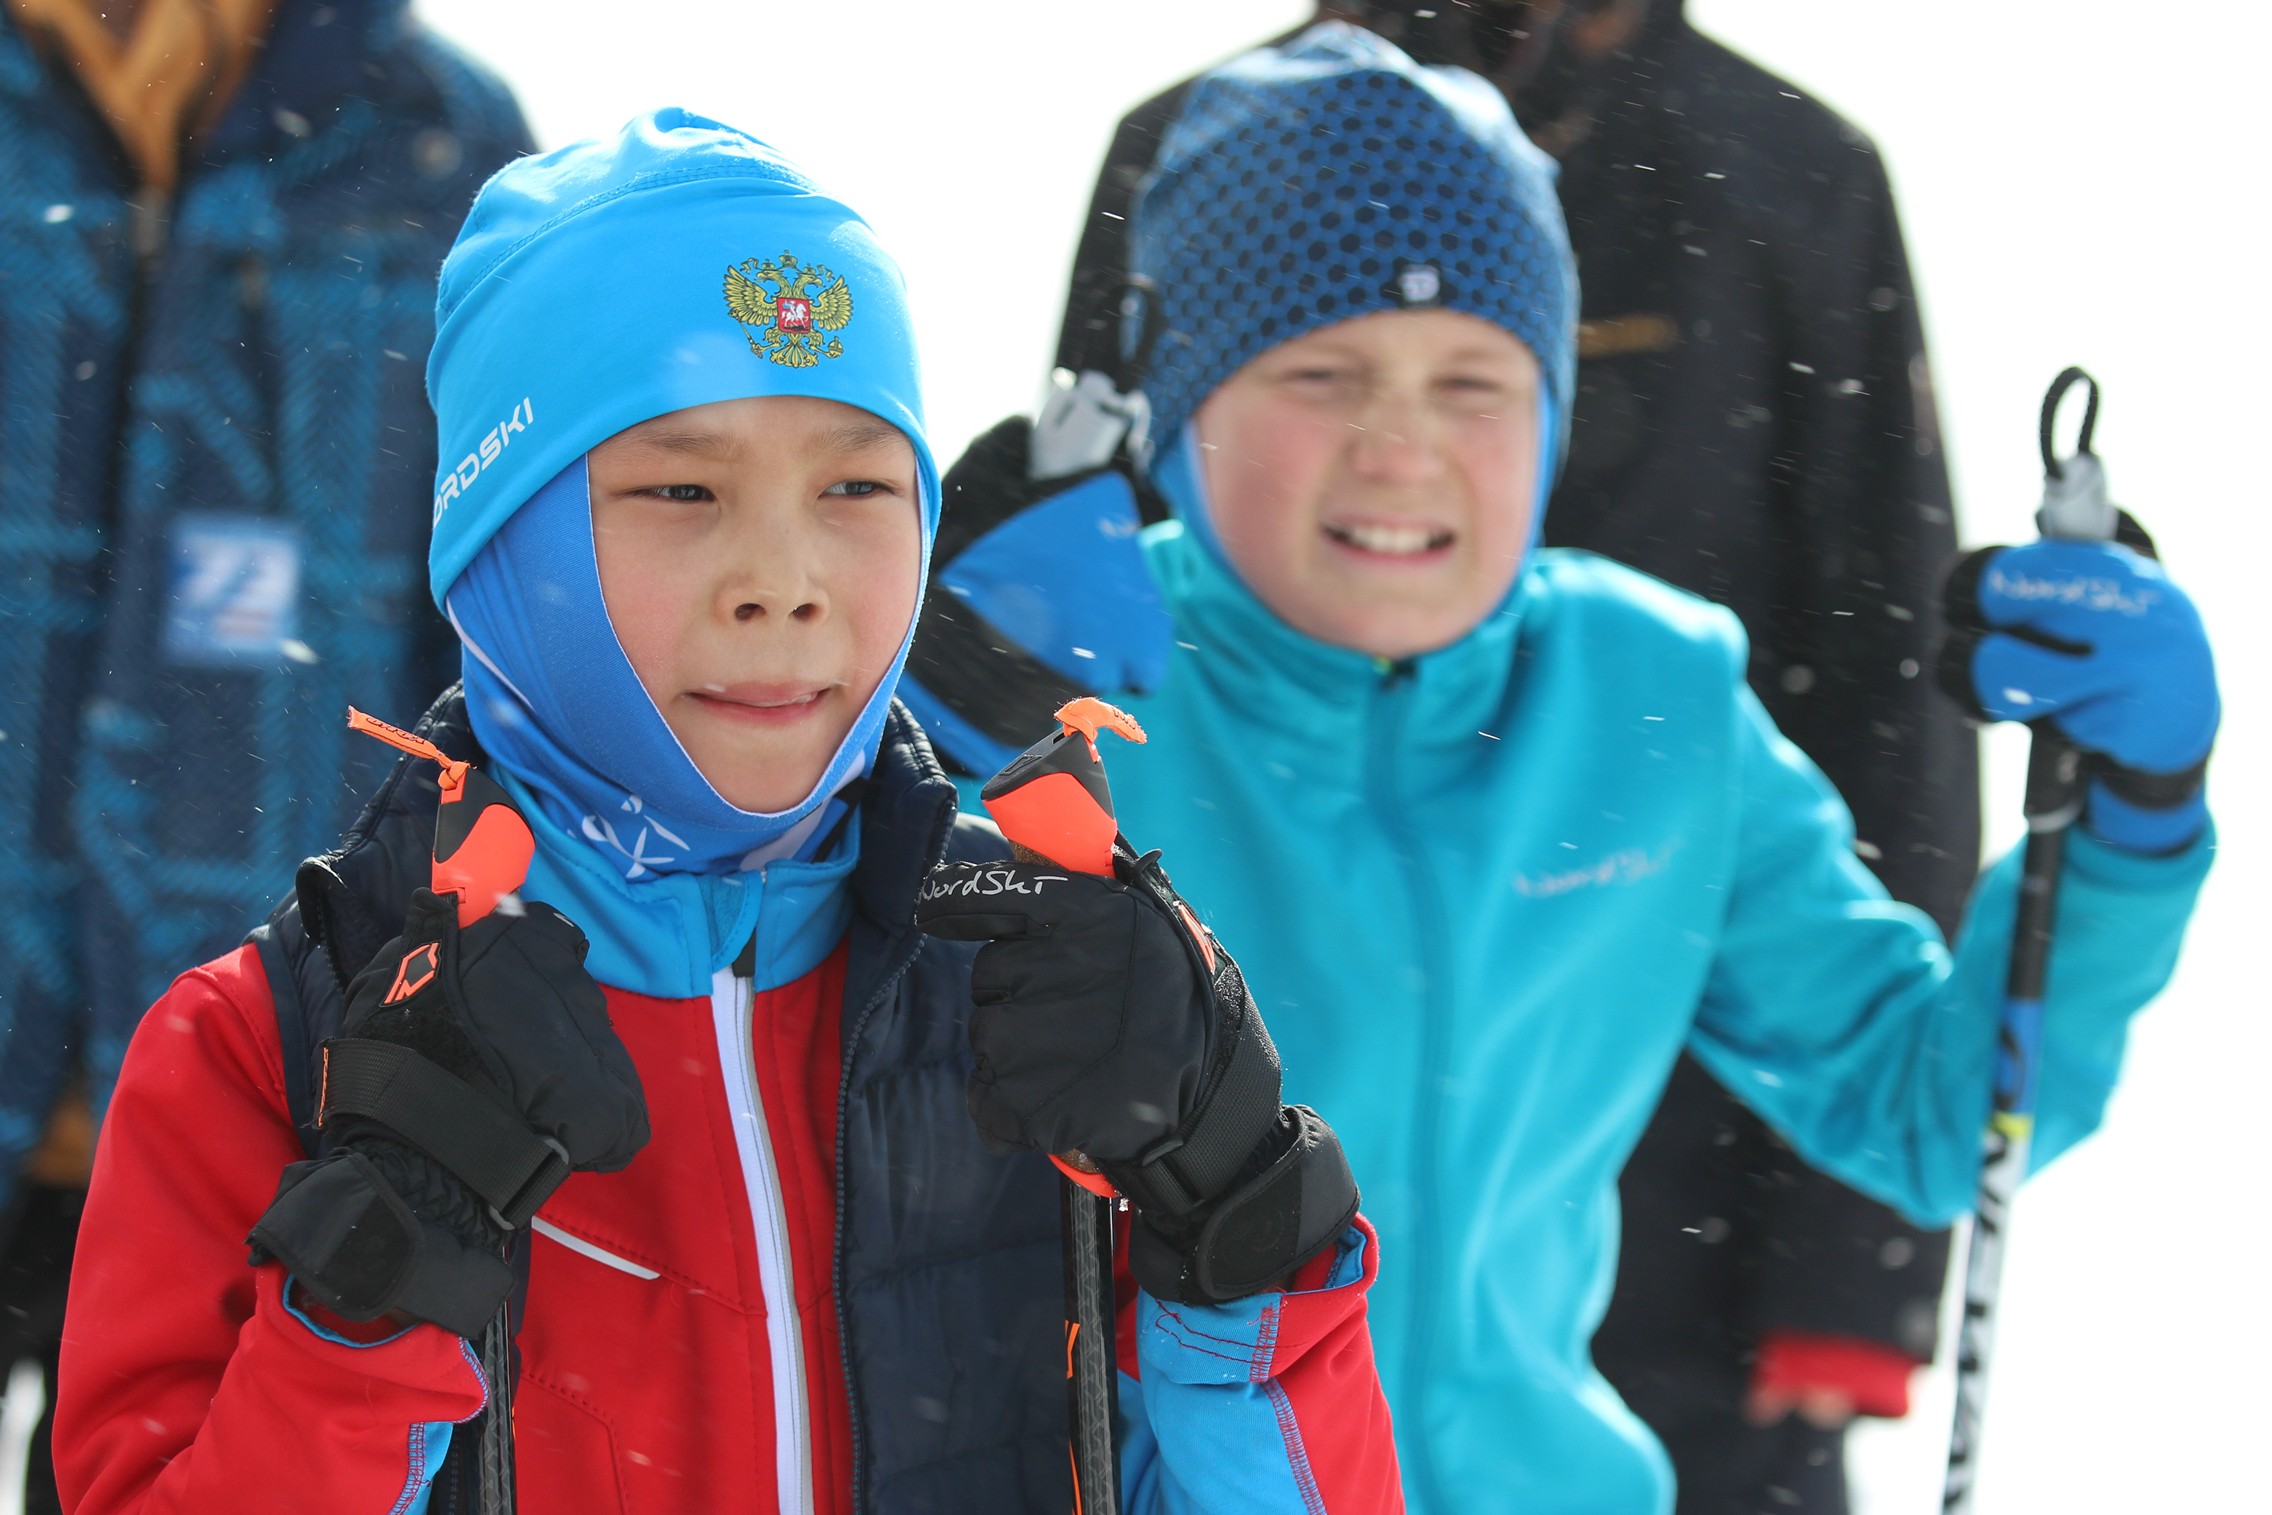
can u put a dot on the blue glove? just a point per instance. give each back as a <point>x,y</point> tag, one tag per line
<point>2096,639</point>
<point>1040,595</point>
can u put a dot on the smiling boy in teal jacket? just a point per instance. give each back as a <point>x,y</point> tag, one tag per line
<point>1501,830</point>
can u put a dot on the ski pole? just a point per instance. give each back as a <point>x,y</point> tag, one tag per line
<point>482,848</point>
<point>1054,806</point>
<point>2075,508</point>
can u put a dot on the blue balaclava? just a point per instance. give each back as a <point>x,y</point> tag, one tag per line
<point>1328,178</point>
<point>677,263</point>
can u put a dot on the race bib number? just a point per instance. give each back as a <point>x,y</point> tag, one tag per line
<point>233,590</point>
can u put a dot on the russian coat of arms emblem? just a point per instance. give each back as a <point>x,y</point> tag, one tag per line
<point>790,310</point>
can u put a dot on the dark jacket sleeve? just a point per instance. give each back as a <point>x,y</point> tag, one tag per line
<point>1090,337</point>
<point>1874,530</point>
<point>1837,1264</point>
<point>1871,509</point>
<point>1730,1237</point>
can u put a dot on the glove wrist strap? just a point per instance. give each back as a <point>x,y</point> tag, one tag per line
<point>463,1128</point>
<point>340,1229</point>
<point>1251,1239</point>
<point>2150,791</point>
<point>1182,1173</point>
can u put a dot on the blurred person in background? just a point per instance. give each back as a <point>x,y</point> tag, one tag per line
<point>1753,422</point>
<point>220,223</point>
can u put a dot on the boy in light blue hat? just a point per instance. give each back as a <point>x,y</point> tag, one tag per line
<point>695,1105</point>
<point>1501,829</point>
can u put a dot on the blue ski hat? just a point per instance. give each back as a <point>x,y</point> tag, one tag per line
<point>1330,178</point>
<point>678,263</point>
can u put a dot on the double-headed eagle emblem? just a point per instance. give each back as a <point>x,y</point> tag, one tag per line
<point>789,322</point>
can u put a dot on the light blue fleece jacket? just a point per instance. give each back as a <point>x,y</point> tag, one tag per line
<point>1485,898</point>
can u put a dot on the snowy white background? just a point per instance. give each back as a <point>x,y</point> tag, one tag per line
<point>2079,185</point>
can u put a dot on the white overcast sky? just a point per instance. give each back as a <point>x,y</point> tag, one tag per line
<point>2081,183</point>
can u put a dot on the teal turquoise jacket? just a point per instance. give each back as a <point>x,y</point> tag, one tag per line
<point>1486,896</point>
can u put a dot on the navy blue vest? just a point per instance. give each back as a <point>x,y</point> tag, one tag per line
<point>948,1257</point>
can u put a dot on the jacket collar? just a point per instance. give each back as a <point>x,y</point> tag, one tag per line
<point>1313,703</point>
<point>352,899</point>
<point>905,823</point>
<point>317,55</point>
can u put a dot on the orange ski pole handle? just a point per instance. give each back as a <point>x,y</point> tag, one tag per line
<point>1054,807</point>
<point>482,846</point>
<point>1052,801</point>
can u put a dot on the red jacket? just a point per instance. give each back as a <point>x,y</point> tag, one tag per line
<point>666,1305</point>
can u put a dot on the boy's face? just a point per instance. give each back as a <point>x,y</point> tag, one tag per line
<point>759,559</point>
<point>1373,481</point>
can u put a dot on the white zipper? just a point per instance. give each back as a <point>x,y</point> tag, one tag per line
<point>730,1000</point>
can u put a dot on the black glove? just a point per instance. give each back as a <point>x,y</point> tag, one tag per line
<point>1110,1023</point>
<point>474,1070</point>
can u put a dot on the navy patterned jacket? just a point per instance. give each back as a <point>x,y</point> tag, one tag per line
<point>216,463</point>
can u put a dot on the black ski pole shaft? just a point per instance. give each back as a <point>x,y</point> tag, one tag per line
<point>2075,507</point>
<point>496,1451</point>
<point>1091,1370</point>
<point>1054,806</point>
<point>482,848</point>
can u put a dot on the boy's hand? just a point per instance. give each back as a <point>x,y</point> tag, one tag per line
<point>474,1070</point>
<point>2095,638</point>
<point>1110,1023</point>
